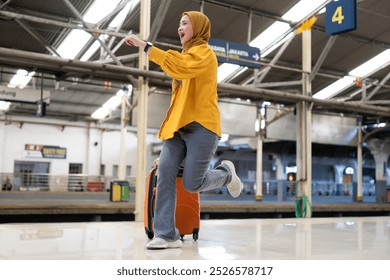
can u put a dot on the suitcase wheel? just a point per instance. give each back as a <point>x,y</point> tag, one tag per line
<point>149,233</point>
<point>195,234</point>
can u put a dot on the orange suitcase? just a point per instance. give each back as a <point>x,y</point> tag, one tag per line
<point>187,207</point>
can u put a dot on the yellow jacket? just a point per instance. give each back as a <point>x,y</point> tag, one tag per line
<point>194,88</point>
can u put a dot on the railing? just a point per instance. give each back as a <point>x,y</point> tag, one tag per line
<point>86,183</point>
<point>46,182</point>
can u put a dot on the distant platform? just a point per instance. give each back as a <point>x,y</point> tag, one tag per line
<point>89,206</point>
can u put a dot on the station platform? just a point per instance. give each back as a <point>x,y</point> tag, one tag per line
<point>89,206</point>
<point>342,238</point>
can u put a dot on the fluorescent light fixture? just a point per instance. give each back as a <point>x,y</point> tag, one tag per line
<point>365,69</point>
<point>225,69</point>
<point>73,43</point>
<point>112,103</point>
<point>272,33</point>
<point>335,88</point>
<point>99,9</point>
<point>302,9</point>
<point>118,20</point>
<point>295,14</point>
<point>100,113</point>
<point>77,39</point>
<point>371,65</point>
<point>268,35</point>
<point>21,79</point>
<point>257,125</point>
<point>4,105</point>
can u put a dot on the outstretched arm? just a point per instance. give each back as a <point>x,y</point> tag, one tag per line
<point>133,40</point>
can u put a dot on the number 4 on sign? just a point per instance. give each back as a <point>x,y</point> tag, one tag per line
<point>338,15</point>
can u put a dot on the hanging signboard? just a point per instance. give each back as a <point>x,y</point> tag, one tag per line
<point>43,151</point>
<point>23,95</point>
<point>235,53</point>
<point>340,16</point>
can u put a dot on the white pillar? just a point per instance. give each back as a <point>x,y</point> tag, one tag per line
<point>143,90</point>
<point>122,147</point>
<point>359,164</point>
<point>304,118</point>
<point>259,168</point>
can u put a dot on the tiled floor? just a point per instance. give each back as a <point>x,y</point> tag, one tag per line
<point>364,238</point>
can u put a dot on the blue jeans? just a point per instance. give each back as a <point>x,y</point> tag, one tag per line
<point>193,147</point>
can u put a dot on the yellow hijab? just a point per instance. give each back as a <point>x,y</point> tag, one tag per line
<point>202,29</point>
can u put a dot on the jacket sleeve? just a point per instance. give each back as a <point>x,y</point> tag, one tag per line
<point>183,65</point>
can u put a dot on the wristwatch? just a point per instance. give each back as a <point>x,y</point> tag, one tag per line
<point>148,45</point>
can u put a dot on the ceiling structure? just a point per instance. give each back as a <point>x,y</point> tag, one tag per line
<point>32,31</point>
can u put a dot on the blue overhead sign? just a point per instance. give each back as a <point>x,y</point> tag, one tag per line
<point>235,53</point>
<point>340,16</point>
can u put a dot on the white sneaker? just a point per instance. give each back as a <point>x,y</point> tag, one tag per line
<point>235,186</point>
<point>159,243</point>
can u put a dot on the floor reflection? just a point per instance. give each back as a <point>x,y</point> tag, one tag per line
<point>365,238</point>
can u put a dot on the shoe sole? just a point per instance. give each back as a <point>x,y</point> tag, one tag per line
<point>234,177</point>
<point>173,244</point>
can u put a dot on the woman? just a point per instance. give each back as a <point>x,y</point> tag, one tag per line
<point>192,128</point>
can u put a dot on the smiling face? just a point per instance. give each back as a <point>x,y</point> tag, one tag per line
<point>185,30</point>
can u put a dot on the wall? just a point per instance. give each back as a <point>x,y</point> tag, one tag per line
<point>90,146</point>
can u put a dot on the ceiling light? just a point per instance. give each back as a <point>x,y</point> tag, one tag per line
<point>269,35</point>
<point>112,103</point>
<point>372,65</point>
<point>4,105</point>
<point>302,9</point>
<point>77,39</point>
<point>118,20</point>
<point>225,69</point>
<point>335,88</point>
<point>21,79</point>
<point>73,43</point>
<point>269,39</point>
<point>365,69</point>
<point>99,9</point>
<point>100,113</point>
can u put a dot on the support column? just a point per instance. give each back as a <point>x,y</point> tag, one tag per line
<point>122,149</point>
<point>360,163</point>
<point>259,157</point>
<point>142,117</point>
<point>280,179</point>
<point>338,174</point>
<point>304,118</point>
<point>380,149</point>
<point>259,169</point>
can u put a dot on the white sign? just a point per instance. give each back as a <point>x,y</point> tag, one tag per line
<point>23,95</point>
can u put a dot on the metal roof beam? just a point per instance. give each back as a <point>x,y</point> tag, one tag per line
<point>158,19</point>
<point>262,73</point>
<point>378,87</point>
<point>322,57</point>
<point>49,62</point>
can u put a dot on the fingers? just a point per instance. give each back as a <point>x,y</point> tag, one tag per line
<point>132,40</point>
<point>129,42</point>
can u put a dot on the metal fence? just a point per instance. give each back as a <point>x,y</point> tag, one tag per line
<point>46,182</point>
<point>87,183</point>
